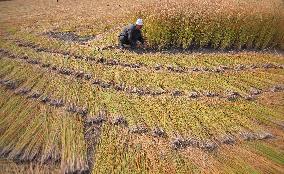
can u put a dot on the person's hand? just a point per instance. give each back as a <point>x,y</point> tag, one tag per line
<point>144,45</point>
<point>139,45</point>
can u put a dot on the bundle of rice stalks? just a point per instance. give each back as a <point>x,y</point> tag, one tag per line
<point>32,131</point>
<point>218,24</point>
<point>7,166</point>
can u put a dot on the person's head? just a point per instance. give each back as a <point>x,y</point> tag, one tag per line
<point>139,24</point>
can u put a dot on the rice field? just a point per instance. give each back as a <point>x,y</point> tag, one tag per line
<point>191,102</point>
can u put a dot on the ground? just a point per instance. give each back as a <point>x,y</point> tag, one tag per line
<point>72,102</point>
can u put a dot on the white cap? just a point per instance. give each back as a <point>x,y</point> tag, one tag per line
<point>139,22</point>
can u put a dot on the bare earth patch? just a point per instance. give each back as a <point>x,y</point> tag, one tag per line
<point>69,37</point>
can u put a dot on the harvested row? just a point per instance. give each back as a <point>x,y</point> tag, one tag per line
<point>85,91</point>
<point>232,114</point>
<point>39,99</point>
<point>195,59</point>
<point>70,157</point>
<point>90,123</point>
<point>240,81</point>
<point>157,156</point>
<point>157,68</point>
<point>230,95</point>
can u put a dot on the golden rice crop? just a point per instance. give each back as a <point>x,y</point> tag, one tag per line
<point>222,24</point>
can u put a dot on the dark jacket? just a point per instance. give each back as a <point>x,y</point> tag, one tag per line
<point>132,35</point>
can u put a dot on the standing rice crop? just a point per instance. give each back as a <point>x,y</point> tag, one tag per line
<point>218,24</point>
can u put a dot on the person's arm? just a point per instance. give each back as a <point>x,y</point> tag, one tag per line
<point>141,39</point>
<point>130,37</point>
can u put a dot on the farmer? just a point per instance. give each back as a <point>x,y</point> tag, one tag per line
<point>131,34</point>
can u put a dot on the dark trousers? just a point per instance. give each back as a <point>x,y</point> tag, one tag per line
<point>123,40</point>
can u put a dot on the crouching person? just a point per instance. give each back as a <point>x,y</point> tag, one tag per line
<point>131,34</point>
